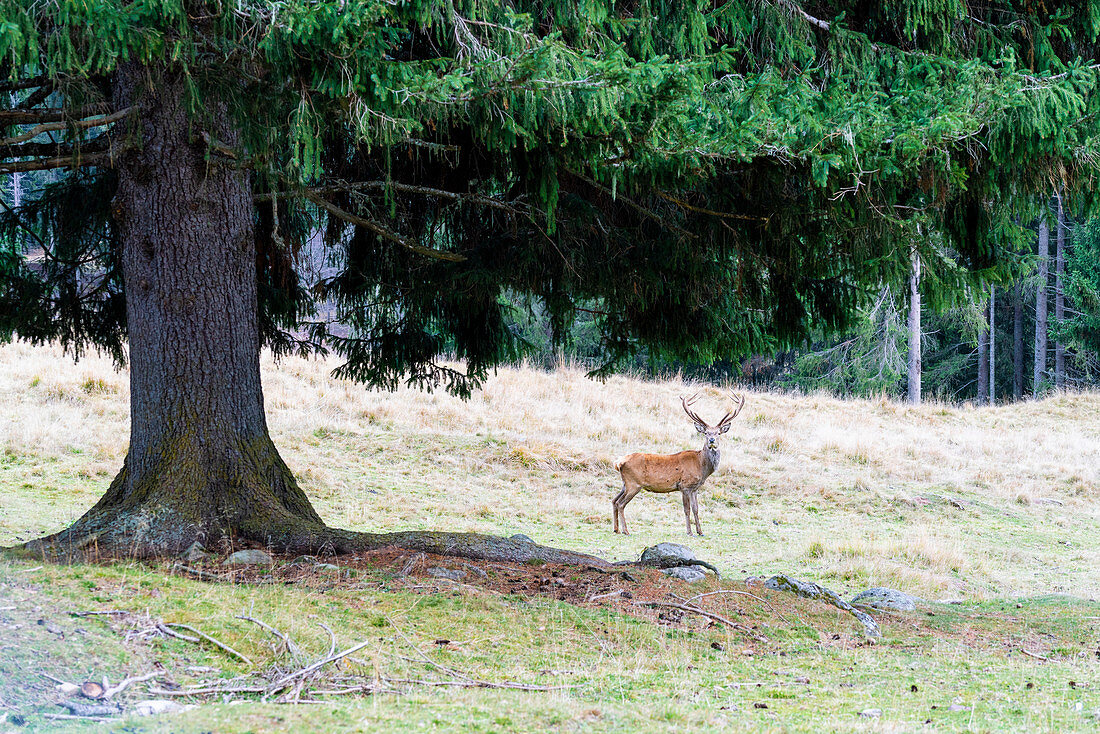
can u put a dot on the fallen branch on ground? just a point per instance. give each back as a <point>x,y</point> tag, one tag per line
<point>703,612</point>
<point>165,625</point>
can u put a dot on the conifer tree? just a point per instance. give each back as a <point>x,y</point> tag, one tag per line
<point>720,178</point>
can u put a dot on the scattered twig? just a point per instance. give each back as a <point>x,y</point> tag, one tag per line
<point>761,599</point>
<point>290,646</point>
<point>475,681</point>
<point>58,681</point>
<point>92,613</point>
<point>205,691</point>
<point>1035,655</point>
<point>409,564</point>
<point>331,637</point>
<point>288,679</point>
<point>198,572</point>
<point>126,683</point>
<point>208,638</point>
<point>703,612</point>
<point>70,717</point>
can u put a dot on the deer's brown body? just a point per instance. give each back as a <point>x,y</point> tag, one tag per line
<point>684,472</point>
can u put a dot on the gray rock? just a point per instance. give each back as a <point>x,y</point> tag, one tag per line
<point>810,590</point>
<point>672,555</point>
<point>521,538</point>
<point>194,553</point>
<point>667,555</point>
<point>883,598</point>
<point>326,567</point>
<point>305,559</point>
<point>685,573</point>
<point>447,573</point>
<point>251,557</point>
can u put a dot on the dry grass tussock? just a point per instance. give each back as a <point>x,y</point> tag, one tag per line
<point>877,490</point>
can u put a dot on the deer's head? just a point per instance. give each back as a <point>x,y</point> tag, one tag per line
<point>711,433</point>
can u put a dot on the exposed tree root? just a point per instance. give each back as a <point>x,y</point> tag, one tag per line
<point>150,535</point>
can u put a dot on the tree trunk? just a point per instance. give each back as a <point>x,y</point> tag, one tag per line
<point>1018,341</point>
<point>992,345</point>
<point>201,465</point>
<point>914,331</point>
<point>1059,297</point>
<point>1041,309</point>
<point>983,359</point>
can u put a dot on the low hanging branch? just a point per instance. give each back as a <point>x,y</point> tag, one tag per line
<point>66,124</point>
<point>103,160</point>
<point>21,84</point>
<point>381,231</point>
<point>52,114</point>
<point>345,187</point>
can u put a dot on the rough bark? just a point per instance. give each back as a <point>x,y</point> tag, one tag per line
<point>1017,342</point>
<point>914,331</point>
<point>992,345</point>
<point>983,359</point>
<point>1059,296</point>
<point>1039,373</point>
<point>201,465</point>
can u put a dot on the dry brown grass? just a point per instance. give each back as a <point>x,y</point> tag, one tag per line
<point>946,500</point>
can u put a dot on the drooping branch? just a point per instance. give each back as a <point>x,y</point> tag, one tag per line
<point>21,84</point>
<point>65,124</point>
<point>382,231</point>
<point>100,144</point>
<point>52,114</point>
<point>103,160</point>
<point>343,187</point>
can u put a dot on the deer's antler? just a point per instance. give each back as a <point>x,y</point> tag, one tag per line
<point>740,402</point>
<point>687,402</point>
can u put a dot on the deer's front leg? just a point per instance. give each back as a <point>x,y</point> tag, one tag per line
<point>686,494</point>
<point>695,511</point>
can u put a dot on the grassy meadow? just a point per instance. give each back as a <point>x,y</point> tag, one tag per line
<point>994,509</point>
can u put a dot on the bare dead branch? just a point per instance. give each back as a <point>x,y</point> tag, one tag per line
<point>52,114</point>
<point>103,160</point>
<point>288,679</point>
<point>126,683</point>
<point>381,231</point>
<point>290,646</point>
<point>204,636</point>
<point>66,124</point>
<point>704,613</point>
<point>21,84</point>
<point>711,212</point>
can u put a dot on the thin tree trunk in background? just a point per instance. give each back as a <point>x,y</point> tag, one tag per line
<point>1018,341</point>
<point>1041,308</point>
<point>914,331</point>
<point>16,183</point>
<point>992,345</point>
<point>983,359</point>
<point>1059,297</point>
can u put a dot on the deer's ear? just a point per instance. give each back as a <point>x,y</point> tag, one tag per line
<point>726,427</point>
<point>700,427</point>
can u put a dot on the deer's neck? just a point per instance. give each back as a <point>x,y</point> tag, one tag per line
<point>711,457</point>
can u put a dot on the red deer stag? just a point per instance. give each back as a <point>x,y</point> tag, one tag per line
<point>683,472</point>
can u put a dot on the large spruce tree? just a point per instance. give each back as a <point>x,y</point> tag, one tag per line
<point>719,177</point>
